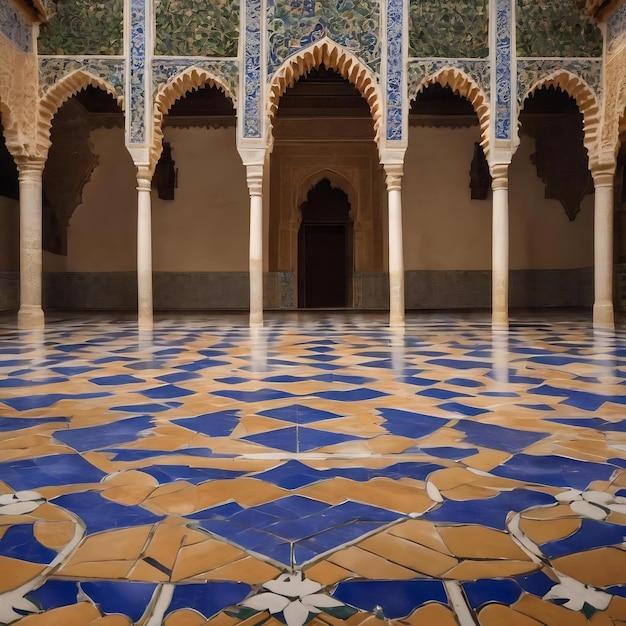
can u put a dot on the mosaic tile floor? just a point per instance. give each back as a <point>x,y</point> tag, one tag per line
<point>320,470</point>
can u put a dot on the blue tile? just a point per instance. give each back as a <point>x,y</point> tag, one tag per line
<point>299,414</point>
<point>442,394</point>
<point>166,391</point>
<point>26,403</point>
<point>463,409</point>
<point>202,364</point>
<point>537,583</point>
<point>260,395</point>
<point>55,593</point>
<point>591,534</point>
<point>409,424</point>
<point>447,452</point>
<point>397,598</point>
<point>498,437</point>
<point>502,591</point>
<point>558,471</point>
<point>464,382</point>
<point>207,598</point>
<point>170,473</point>
<point>178,377</point>
<point>111,434</point>
<point>20,382</point>
<point>461,364</point>
<point>128,597</point>
<point>19,542</point>
<point>596,423</point>
<point>299,439</point>
<point>141,408</point>
<point>219,424</point>
<point>18,423</point>
<point>118,379</point>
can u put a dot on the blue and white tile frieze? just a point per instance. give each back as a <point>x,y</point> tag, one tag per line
<point>14,27</point>
<point>530,72</point>
<point>395,79</point>
<point>616,30</point>
<point>503,70</point>
<point>137,65</point>
<point>252,69</point>
<point>53,69</point>
<point>225,70</point>
<point>420,69</point>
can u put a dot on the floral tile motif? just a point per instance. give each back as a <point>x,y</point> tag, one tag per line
<point>616,30</point>
<point>441,28</point>
<point>137,73</point>
<point>76,28</point>
<point>555,30</point>
<point>353,24</point>
<point>200,479</point>
<point>196,28</point>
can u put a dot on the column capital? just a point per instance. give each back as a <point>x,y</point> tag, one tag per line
<point>500,175</point>
<point>144,177</point>
<point>30,167</point>
<point>603,169</point>
<point>254,177</point>
<point>393,175</point>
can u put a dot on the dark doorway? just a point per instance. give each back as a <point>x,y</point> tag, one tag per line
<point>325,249</point>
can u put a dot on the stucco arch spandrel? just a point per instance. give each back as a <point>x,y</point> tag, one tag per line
<point>174,89</point>
<point>614,119</point>
<point>587,103</point>
<point>464,86</point>
<point>337,180</point>
<point>326,52</point>
<point>60,93</point>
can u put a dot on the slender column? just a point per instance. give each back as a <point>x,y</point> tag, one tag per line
<point>603,252</point>
<point>500,247</point>
<point>396,253</point>
<point>30,314</point>
<point>144,248</point>
<point>255,187</point>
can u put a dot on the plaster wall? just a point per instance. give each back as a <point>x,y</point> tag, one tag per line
<point>445,230</point>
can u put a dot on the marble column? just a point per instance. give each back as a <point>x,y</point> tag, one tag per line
<point>396,254</point>
<point>255,187</point>
<point>30,315</point>
<point>603,252</point>
<point>500,247</point>
<point>144,248</point>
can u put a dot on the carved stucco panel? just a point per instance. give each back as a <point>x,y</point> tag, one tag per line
<point>614,104</point>
<point>18,99</point>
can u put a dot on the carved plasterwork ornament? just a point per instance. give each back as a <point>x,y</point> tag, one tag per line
<point>614,121</point>
<point>464,86</point>
<point>326,52</point>
<point>18,100</point>
<point>177,87</point>
<point>59,93</point>
<point>587,103</point>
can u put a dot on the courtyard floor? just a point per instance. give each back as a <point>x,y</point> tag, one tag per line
<point>320,470</point>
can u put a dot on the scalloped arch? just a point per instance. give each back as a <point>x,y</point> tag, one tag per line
<point>464,86</point>
<point>62,91</point>
<point>174,89</point>
<point>587,103</point>
<point>336,179</point>
<point>327,52</point>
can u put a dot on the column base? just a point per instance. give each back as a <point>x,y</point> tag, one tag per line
<point>499,320</point>
<point>145,321</point>
<point>603,315</point>
<point>30,316</point>
<point>396,321</point>
<point>256,319</point>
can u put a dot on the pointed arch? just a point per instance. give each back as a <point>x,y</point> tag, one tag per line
<point>587,103</point>
<point>174,89</point>
<point>466,87</point>
<point>326,52</point>
<point>336,179</point>
<point>62,91</point>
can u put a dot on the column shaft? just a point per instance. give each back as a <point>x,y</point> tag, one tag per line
<point>255,186</point>
<point>603,253</point>
<point>500,253</point>
<point>144,252</point>
<point>396,257</point>
<point>30,314</point>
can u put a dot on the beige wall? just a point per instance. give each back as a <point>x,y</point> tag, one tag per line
<point>9,234</point>
<point>206,228</point>
<point>446,230</point>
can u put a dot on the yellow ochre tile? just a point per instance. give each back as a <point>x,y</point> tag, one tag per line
<point>479,542</point>
<point>369,565</point>
<point>498,614</point>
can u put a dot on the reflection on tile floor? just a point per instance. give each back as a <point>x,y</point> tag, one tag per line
<point>320,470</point>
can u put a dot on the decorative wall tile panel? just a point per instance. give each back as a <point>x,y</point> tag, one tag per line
<point>555,29</point>
<point>137,132</point>
<point>449,28</point>
<point>530,72</point>
<point>14,27</point>
<point>616,30</point>
<point>477,70</point>
<point>197,27</point>
<point>252,61</point>
<point>395,63</point>
<point>226,70</point>
<point>503,70</point>
<point>53,69</point>
<point>353,24</point>
<point>78,27</point>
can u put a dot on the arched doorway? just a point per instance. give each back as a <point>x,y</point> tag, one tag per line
<point>325,249</point>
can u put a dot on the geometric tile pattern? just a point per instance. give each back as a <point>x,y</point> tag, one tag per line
<point>322,469</point>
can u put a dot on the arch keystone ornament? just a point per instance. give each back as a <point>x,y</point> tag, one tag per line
<point>465,87</point>
<point>326,52</point>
